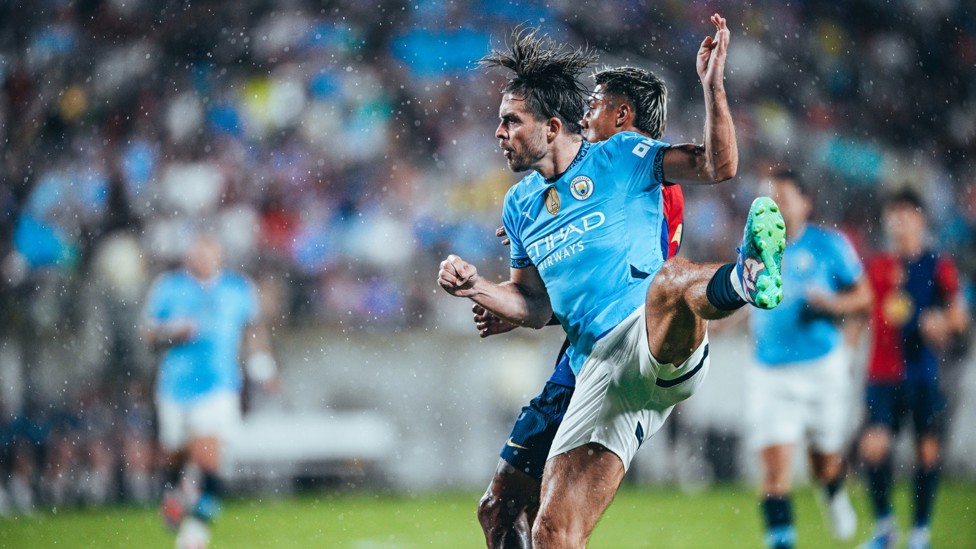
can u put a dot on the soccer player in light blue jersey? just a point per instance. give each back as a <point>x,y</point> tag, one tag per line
<point>584,229</point>
<point>800,386</point>
<point>198,318</point>
<point>624,99</point>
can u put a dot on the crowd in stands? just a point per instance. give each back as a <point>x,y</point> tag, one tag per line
<point>342,148</point>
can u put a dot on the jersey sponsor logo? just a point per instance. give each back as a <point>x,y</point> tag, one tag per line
<point>581,187</point>
<point>552,200</point>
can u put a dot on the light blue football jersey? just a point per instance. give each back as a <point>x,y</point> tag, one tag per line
<point>820,259</point>
<point>596,238</point>
<point>220,311</point>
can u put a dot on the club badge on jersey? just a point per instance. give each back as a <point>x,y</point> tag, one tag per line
<point>581,187</point>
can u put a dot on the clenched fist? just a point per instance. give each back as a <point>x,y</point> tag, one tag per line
<point>457,276</point>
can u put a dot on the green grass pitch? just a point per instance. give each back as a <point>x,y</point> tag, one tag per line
<point>724,517</point>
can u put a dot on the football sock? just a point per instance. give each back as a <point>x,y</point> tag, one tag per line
<point>171,477</point>
<point>722,291</point>
<point>926,483</point>
<point>778,514</point>
<point>833,486</point>
<point>879,487</point>
<point>208,505</point>
<point>212,485</point>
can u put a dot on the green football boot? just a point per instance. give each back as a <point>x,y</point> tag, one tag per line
<point>761,254</point>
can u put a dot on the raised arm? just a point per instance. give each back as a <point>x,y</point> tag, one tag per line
<point>717,159</point>
<point>522,300</point>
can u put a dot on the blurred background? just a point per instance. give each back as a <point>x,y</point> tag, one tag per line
<point>341,149</point>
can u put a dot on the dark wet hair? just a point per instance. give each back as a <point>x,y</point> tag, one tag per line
<point>644,90</point>
<point>793,177</point>
<point>545,74</point>
<point>905,197</point>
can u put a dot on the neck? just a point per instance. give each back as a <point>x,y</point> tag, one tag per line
<point>560,156</point>
<point>910,250</point>
<point>795,231</point>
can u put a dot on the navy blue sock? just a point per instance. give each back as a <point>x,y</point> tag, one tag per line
<point>778,515</point>
<point>212,485</point>
<point>834,486</point>
<point>171,477</point>
<point>926,483</point>
<point>720,292</point>
<point>879,487</point>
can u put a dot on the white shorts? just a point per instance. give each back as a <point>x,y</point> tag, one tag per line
<point>804,401</point>
<point>623,395</point>
<point>217,414</point>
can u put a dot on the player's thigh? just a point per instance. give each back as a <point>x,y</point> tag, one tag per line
<point>215,416</point>
<point>512,490</point>
<point>577,488</point>
<point>775,410</point>
<point>829,383</point>
<point>528,445</point>
<point>927,407</point>
<point>172,424</point>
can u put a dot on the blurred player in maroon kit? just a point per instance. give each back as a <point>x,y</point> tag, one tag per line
<point>918,309</point>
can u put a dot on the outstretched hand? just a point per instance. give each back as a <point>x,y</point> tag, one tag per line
<point>488,324</point>
<point>457,276</point>
<point>712,54</point>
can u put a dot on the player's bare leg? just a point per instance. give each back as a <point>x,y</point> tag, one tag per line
<point>508,508</point>
<point>828,469</point>
<point>577,488</point>
<point>683,295</point>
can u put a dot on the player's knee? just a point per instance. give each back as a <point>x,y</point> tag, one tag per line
<point>874,446</point>
<point>494,512</point>
<point>928,454</point>
<point>548,533</point>
<point>665,288</point>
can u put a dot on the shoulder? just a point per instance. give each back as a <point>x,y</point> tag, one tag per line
<point>523,188</point>
<point>236,280</point>
<point>624,142</point>
<point>169,279</point>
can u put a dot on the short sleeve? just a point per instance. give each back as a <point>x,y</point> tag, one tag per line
<point>252,305</point>
<point>519,258</point>
<point>946,279</point>
<point>640,156</point>
<point>156,308</point>
<point>848,268</point>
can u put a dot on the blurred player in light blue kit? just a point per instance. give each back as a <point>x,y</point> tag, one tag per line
<point>800,387</point>
<point>585,229</point>
<point>198,318</point>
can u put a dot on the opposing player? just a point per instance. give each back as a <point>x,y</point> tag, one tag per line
<point>918,308</point>
<point>197,317</point>
<point>799,386</point>
<point>585,233</point>
<point>507,510</point>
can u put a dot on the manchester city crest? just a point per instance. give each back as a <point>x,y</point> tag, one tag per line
<point>581,187</point>
<point>552,200</point>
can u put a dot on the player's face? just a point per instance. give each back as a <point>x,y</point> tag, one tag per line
<point>204,257</point>
<point>793,204</point>
<point>520,135</point>
<point>600,121</point>
<point>905,227</point>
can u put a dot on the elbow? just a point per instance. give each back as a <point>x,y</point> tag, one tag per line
<point>721,170</point>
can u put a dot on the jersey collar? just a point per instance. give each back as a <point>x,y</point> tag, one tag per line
<point>580,155</point>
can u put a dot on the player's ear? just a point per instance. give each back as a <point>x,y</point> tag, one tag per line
<point>553,126</point>
<point>624,115</point>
